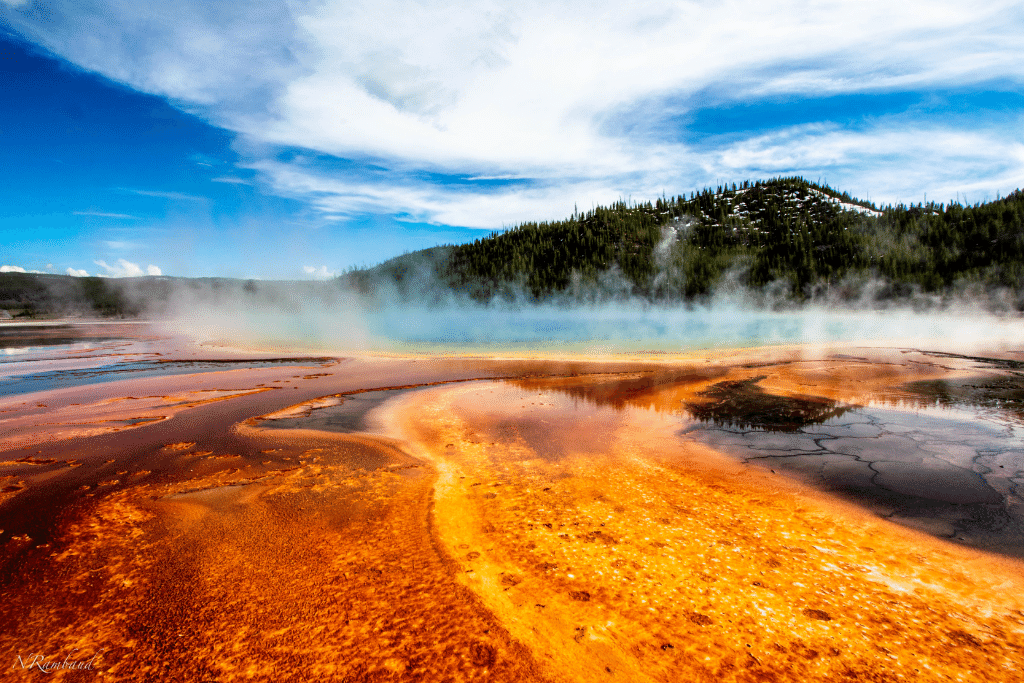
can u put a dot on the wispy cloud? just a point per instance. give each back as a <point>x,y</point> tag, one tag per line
<point>104,214</point>
<point>887,162</point>
<point>339,197</point>
<point>580,101</point>
<point>125,268</point>
<point>177,196</point>
<point>232,180</point>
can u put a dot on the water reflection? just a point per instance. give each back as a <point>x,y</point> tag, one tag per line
<point>942,456</point>
<point>62,379</point>
<point>651,389</point>
<point>743,404</point>
<point>1003,396</point>
<point>55,349</point>
<point>341,413</point>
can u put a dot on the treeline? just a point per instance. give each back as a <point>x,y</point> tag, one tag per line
<point>804,236</point>
<point>43,295</point>
<point>31,295</point>
<point>936,245</point>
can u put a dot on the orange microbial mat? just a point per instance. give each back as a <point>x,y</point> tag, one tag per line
<point>180,513</point>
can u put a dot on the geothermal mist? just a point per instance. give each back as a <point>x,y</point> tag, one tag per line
<point>323,316</point>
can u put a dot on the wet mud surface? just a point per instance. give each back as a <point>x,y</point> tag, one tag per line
<point>952,466</point>
<point>455,518</point>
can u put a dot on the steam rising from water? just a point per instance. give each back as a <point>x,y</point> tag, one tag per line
<point>672,328</point>
<point>305,315</point>
<point>323,316</point>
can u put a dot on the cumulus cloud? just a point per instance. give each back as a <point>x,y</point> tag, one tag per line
<point>77,273</point>
<point>125,268</point>
<point>583,101</point>
<point>320,273</point>
<point>17,269</point>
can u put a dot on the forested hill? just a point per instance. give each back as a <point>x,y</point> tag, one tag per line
<point>803,236</point>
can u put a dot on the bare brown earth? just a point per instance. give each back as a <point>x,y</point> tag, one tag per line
<point>549,526</point>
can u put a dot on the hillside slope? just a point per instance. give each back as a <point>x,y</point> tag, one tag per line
<point>787,231</point>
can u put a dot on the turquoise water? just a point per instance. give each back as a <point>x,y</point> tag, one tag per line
<point>670,329</point>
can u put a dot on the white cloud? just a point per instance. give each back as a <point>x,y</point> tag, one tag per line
<point>77,273</point>
<point>177,196</point>
<point>125,268</point>
<point>476,87</point>
<point>893,163</point>
<point>886,163</point>
<point>18,269</point>
<point>320,273</point>
<point>583,100</point>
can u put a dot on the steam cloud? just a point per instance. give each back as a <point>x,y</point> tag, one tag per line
<point>602,317</point>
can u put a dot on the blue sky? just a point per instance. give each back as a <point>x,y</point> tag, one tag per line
<point>297,139</point>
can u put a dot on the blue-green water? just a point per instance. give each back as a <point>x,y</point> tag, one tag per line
<point>675,329</point>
